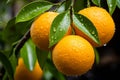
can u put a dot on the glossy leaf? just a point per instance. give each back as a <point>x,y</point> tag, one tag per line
<point>86,26</point>
<point>47,75</point>
<point>118,3</point>
<point>7,65</point>
<point>96,2</point>
<point>111,5</point>
<point>64,6</point>
<point>42,57</point>
<point>28,53</point>
<point>32,10</point>
<point>59,27</point>
<point>79,4</point>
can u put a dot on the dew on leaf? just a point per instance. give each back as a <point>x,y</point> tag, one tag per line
<point>52,40</point>
<point>80,16</point>
<point>81,19</point>
<point>55,38</point>
<point>54,29</point>
<point>95,35</point>
<point>82,24</point>
<point>38,8</point>
<point>35,10</point>
<point>93,32</point>
<point>110,5</point>
<point>60,29</point>
<point>52,37</point>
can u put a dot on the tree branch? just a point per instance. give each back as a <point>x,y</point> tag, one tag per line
<point>22,42</point>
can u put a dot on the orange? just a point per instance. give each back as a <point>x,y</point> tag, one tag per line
<point>102,21</point>
<point>22,73</point>
<point>40,29</point>
<point>73,55</point>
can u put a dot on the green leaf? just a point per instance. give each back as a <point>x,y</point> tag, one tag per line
<point>111,5</point>
<point>59,27</point>
<point>64,6</point>
<point>5,77</point>
<point>42,57</point>
<point>47,75</point>
<point>79,4</point>
<point>7,65</point>
<point>96,2</point>
<point>28,53</point>
<point>13,61</point>
<point>86,26</point>
<point>32,10</point>
<point>118,3</point>
<point>14,32</point>
<point>9,31</point>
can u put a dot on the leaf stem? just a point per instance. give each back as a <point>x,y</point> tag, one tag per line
<point>72,3</point>
<point>88,3</point>
<point>22,42</point>
<point>71,13</point>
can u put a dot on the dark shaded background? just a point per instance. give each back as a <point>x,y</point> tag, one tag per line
<point>109,65</point>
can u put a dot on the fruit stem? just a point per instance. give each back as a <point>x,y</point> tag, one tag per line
<point>71,13</point>
<point>72,3</point>
<point>88,3</point>
<point>57,5</point>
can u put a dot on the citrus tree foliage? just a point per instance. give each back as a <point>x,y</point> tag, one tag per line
<point>15,37</point>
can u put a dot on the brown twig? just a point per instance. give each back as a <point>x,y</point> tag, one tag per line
<point>22,42</point>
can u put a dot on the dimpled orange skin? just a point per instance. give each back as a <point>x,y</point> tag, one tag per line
<point>73,55</point>
<point>40,29</point>
<point>103,23</point>
<point>22,73</point>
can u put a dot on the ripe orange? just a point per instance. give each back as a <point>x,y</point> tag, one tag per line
<point>73,55</point>
<point>40,29</point>
<point>102,21</point>
<point>22,73</point>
